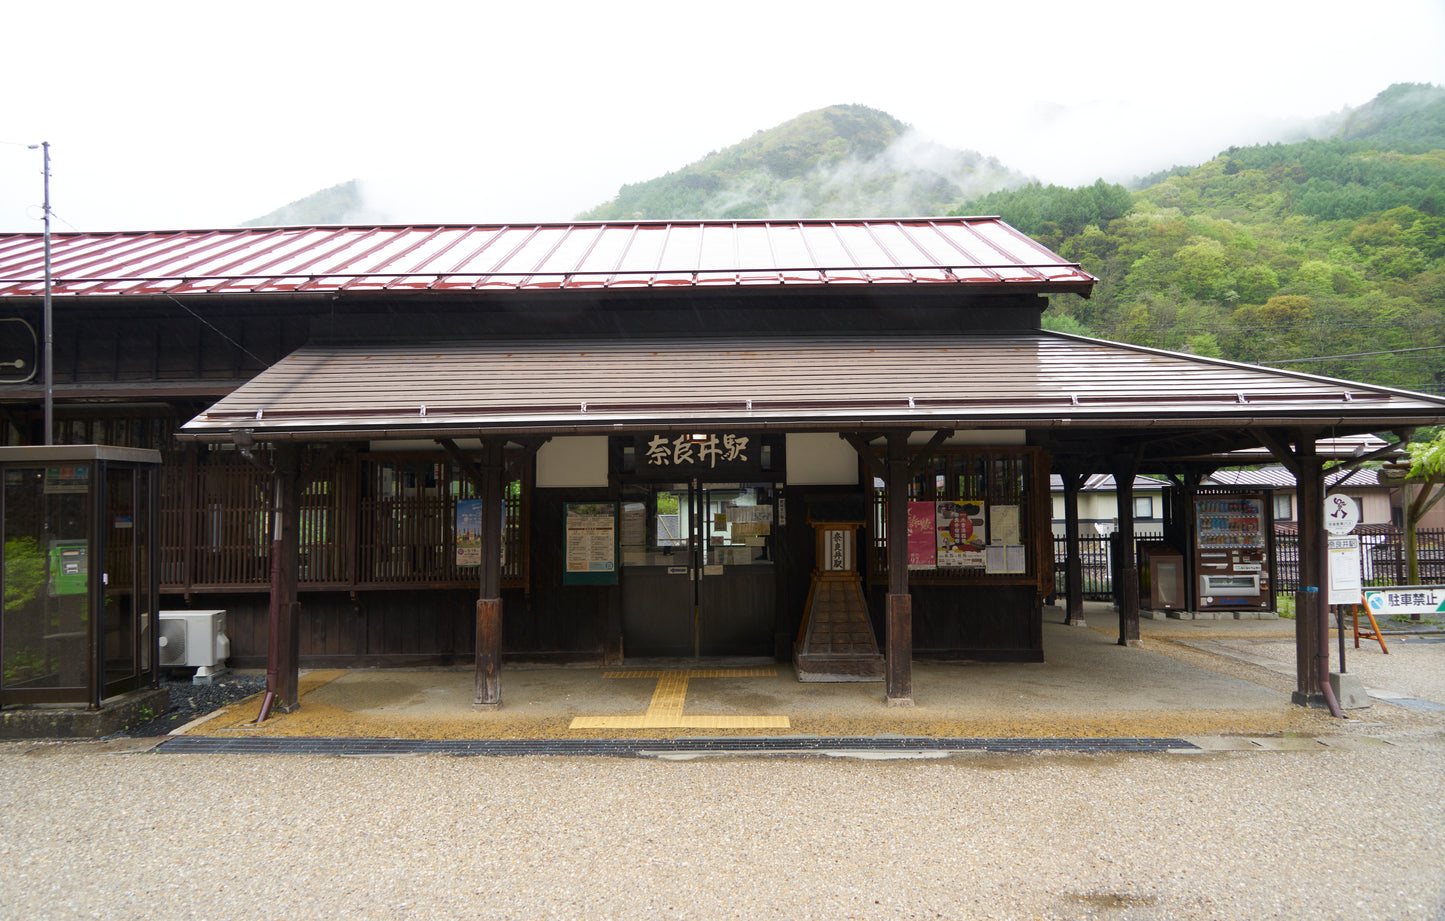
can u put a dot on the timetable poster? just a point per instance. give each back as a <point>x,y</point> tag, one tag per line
<point>591,550</point>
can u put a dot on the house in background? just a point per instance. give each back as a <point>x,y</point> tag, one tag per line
<point>1099,506</point>
<point>1371,496</point>
<point>1381,501</point>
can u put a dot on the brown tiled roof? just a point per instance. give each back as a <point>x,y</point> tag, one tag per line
<point>824,382</point>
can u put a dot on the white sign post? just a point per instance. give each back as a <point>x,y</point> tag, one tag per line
<point>1344,556</point>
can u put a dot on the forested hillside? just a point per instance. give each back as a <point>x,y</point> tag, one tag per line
<point>1325,256</point>
<point>340,204</point>
<point>842,161</point>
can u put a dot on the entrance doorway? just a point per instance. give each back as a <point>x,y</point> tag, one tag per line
<point>698,574</point>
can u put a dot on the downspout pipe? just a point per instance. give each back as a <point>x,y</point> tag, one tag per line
<point>1322,651</point>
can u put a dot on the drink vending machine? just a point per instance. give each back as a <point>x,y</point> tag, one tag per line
<point>1233,550</point>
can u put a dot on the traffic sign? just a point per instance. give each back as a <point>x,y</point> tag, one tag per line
<point>1341,514</point>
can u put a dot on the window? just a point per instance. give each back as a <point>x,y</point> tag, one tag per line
<point>1143,507</point>
<point>1283,507</point>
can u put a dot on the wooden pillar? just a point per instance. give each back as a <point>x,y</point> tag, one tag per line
<point>1125,468</point>
<point>1074,575</point>
<point>283,641</point>
<point>489,601</point>
<point>899,605</point>
<point>1311,609</point>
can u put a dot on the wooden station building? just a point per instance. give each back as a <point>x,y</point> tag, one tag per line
<point>440,445</point>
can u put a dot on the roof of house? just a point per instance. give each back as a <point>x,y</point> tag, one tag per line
<point>968,251</point>
<point>1277,477</point>
<point>1104,482</point>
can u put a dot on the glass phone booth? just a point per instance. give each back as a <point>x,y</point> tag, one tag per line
<point>78,567</point>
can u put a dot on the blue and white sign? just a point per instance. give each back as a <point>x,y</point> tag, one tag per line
<point>1406,599</point>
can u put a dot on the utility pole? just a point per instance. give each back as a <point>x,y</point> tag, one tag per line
<point>49,334</point>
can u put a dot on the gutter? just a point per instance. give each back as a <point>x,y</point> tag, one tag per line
<point>217,434</point>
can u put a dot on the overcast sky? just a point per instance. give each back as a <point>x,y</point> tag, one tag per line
<point>205,114</point>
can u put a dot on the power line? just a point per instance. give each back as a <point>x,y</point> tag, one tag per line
<point>1290,361</point>
<point>254,357</point>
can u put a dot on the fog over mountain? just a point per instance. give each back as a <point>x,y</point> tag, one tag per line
<point>841,161</point>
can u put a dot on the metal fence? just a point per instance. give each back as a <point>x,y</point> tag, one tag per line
<point>1382,560</point>
<point>1096,555</point>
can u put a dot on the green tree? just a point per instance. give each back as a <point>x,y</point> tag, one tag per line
<point>1427,474</point>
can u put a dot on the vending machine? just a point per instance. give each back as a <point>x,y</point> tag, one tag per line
<point>1233,551</point>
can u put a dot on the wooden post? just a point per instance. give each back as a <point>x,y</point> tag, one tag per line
<point>1125,468</point>
<point>1310,607</point>
<point>488,694</point>
<point>284,635</point>
<point>899,606</point>
<point>1074,601</point>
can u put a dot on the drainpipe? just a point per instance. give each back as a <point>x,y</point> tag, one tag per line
<point>1322,651</point>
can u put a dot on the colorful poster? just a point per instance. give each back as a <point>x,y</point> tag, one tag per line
<point>922,549</point>
<point>962,533</point>
<point>469,532</point>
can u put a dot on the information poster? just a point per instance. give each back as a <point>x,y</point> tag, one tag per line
<point>962,533</point>
<point>591,552</point>
<point>1004,525</point>
<point>1344,557</point>
<point>1005,558</point>
<point>922,549</point>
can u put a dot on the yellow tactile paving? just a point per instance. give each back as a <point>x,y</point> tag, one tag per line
<point>665,709</point>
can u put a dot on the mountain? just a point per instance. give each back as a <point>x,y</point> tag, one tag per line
<point>340,204</point>
<point>1326,255</point>
<point>841,161</point>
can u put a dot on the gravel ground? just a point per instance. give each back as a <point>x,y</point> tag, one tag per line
<point>1350,829</point>
<point>89,834</point>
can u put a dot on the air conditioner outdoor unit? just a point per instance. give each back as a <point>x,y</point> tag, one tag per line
<point>195,639</point>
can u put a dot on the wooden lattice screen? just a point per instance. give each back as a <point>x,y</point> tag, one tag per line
<point>366,522</point>
<point>1010,477</point>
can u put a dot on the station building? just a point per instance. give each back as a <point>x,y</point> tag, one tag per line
<point>602,442</point>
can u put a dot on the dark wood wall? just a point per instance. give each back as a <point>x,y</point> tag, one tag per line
<point>997,623</point>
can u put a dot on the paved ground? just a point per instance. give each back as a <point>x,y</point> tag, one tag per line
<point>1339,820</point>
<point>1088,686</point>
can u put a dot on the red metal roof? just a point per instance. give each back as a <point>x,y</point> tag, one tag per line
<point>973,251</point>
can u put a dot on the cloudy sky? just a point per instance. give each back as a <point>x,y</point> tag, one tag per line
<point>195,115</point>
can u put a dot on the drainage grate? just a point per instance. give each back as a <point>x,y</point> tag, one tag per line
<point>638,748</point>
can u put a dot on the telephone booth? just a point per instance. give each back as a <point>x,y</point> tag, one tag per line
<point>80,574</point>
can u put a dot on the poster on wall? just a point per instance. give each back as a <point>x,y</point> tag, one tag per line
<point>469,533</point>
<point>962,533</point>
<point>922,549</point>
<point>591,551</point>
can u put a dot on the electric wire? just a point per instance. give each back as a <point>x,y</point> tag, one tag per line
<point>211,326</point>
